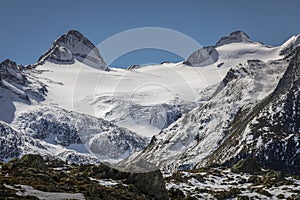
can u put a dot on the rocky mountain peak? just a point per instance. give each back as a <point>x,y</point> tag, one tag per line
<point>73,46</point>
<point>202,57</point>
<point>10,71</point>
<point>9,63</point>
<point>70,39</point>
<point>234,37</point>
<point>74,33</point>
<point>239,33</point>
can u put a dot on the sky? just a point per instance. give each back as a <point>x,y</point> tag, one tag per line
<point>29,27</point>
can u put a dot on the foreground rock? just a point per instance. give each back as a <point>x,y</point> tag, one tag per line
<point>249,165</point>
<point>88,181</point>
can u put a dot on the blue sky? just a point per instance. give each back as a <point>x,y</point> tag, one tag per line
<point>29,27</point>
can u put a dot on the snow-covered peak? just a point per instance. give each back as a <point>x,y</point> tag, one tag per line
<point>234,37</point>
<point>232,50</point>
<point>73,45</point>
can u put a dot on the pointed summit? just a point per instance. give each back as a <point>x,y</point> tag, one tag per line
<point>73,45</point>
<point>234,37</point>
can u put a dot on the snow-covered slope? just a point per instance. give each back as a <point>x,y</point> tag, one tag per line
<point>132,99</point>
<point>197,134</point>
<point>150,98</point>
<point>80,132</point>
<point>139,92</point>
<point>17,88</point>
<point>232,50</point>
<point>70,136</point>
<point>271,130</point>
<point>15,144</point>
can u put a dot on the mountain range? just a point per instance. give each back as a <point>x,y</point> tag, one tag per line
<point>234,100</point>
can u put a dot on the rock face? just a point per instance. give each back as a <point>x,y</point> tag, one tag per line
<point>248,165</point>
<point>202,57</point>
<point>13,77</point>
<point>73,45</point>
<point>61,127</point>
<point>270,131</point>
<point>61,54</point>
<point>199,133</point>
<point>16,86</point>
<point>9,142</point>
<point>150,183</point>
<point>68,134</point>
<point>280,121</point>
<point>10,71</point>
<point>30,161</point>
<point>234,37</point>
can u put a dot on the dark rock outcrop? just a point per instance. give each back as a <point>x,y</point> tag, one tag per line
<point>248,165</point>
<point>9,142</point>
<point>11,72</point>
<point>33,170</point>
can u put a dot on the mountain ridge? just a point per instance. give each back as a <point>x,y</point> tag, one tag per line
<point>289,152</point>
